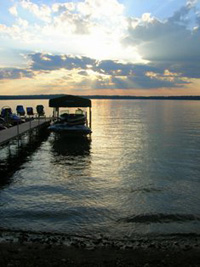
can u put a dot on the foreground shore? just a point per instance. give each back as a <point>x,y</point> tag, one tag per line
<point>44,249</point>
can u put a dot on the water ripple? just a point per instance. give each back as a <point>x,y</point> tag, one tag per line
<point>160,218</point>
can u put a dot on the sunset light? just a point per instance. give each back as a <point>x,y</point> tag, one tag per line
<point>100,133</point>
<point>131,46</point>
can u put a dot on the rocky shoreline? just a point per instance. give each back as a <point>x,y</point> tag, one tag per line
<point>21,248</point>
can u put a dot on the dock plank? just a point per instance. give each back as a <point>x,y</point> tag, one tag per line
<point>15,131</point>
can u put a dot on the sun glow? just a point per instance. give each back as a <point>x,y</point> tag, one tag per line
<point>96,46</point>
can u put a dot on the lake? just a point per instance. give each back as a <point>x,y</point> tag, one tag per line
<point>139,174</point>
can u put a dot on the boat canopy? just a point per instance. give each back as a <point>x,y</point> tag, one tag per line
<point>69,101</point>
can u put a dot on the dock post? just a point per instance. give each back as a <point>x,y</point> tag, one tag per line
<point>90,118</point>
<point>18,133</point>
<point>86,115</point>
<point>17,129</point>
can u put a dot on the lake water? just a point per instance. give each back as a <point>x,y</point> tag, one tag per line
<point>138,175</point>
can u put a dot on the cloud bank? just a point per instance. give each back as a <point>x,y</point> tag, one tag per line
<point>105,74</point>
<point>93,44</point>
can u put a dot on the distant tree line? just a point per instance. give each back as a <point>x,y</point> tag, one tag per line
<point>13,97</point>
<point>145,97</point>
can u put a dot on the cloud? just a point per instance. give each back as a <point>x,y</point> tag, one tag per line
<point>169,44</point>
<point>62,27</point>
<point>92,44</point>
<point>43,62</point>
<point>89,17</point>
<point>42,12</point>
<point>145,82</point>
<point>62,7</point>
<point>23,23</point>
<point>84,72</point>
<point>69,22</point>
<point>180,15</point>
<point>14,73</point>
<point>19,31</point>
<point>40,61</point>
<point>117,68</point>
<point>191,3</point>
<point>98,26</point>
<point>107,73</point>
<point>13,11</point>
<point>98,9</point>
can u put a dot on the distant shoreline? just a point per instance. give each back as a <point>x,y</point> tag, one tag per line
<point>25,97</point>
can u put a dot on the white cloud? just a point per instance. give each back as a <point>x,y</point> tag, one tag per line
<point>99,9</point>
<point>19,32</point>
<point>13,11</point>
<point>42,12</point>
<point>146,17</point>
<point>98,26</point>
<point>62,7</point>
<point>23,23</point>
<point>164,53</point>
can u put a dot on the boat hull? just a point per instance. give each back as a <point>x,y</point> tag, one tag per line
<point>75,130</point>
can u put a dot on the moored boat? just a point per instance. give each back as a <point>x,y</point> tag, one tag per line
<point>74,130</point>
<point>71,123</point>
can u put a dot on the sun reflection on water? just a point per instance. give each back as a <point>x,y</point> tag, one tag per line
<point>138,174</point>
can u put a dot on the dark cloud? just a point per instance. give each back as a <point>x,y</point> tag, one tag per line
<point>12,73</point>
<point>119,75</point>
<point>173,44</point>
<point>46,62</point>
<point>106,73</point>
<point>145,82</point>
<point>115,68</point>
<point>54,62</point>
<point>188,69</point>
<point>83,72</point>
<point>180,15</point>
<point>131,82</point>
<point>165,42</point>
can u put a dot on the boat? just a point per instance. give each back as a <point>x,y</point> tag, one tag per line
<point>74,130</point>
<point>74,119</point>
<point>10,117</point>
<point>73,123</point>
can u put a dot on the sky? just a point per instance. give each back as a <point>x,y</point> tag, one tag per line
<point>96,47</point>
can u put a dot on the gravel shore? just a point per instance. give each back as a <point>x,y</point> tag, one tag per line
<point>44,249</point>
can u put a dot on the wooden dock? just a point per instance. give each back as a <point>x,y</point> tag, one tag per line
<point>18,130</point>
